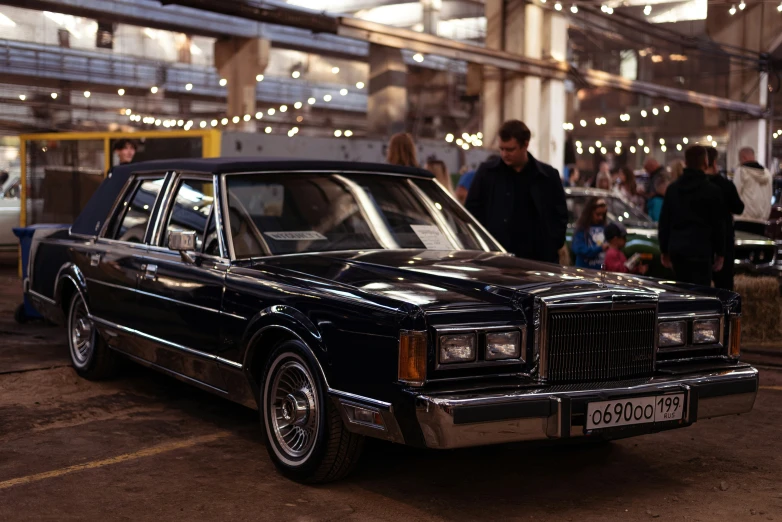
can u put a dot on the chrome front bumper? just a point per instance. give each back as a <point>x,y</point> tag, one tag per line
<point>557,412</point>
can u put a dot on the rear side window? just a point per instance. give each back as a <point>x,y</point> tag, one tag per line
<point>191,212</point>
<point>132,217</point>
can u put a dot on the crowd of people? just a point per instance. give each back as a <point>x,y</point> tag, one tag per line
<point>521,202</point>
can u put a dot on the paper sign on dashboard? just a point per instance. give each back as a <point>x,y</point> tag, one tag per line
<point>432,237</point>
<point>306,235</point>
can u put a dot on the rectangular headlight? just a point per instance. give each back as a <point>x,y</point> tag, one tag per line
<point>706,331</point>
<point>503,345</point>
<point>457,348</point>
<point>672,333</point>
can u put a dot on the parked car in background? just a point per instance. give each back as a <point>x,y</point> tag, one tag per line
<point>10,206</point>
<point>755,254</point>
<point>346,300</point>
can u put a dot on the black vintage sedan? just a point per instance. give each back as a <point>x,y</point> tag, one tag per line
<point>347,300</point>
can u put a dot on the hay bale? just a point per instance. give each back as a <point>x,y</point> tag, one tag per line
<point>761,308</point>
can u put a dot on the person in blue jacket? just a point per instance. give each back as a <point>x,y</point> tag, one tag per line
<point>589,244</point>
<point>655,204</point>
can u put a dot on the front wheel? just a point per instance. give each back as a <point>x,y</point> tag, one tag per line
<point>304,434</point>
<point>90,356</point>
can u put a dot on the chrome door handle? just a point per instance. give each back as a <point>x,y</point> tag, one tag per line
<point>94,259</point>
<point>150,271</point>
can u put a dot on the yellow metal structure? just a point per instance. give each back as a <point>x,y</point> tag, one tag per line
<point>210,147</point>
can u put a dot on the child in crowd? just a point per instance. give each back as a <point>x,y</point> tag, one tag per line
<point>589,245</point>
<point>615,261</point>
<point>655,204</point>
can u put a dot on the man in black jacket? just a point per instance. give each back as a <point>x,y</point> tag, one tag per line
<point>732,205</point>
<point>692,223</point>
<point>520,200</point>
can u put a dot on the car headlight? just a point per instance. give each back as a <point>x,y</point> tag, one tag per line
<point>457,348</point>
<point>672,333</point>
<point>706,331</point>
<point>503,345</point>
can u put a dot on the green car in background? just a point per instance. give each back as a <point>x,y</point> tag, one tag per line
<point>754,254</point>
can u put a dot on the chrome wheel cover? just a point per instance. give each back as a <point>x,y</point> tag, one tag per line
<point>82,334</point>
<point>293,409</point>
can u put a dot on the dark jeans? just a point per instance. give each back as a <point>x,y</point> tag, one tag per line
<point>724,278</point>
<point>692,270</point>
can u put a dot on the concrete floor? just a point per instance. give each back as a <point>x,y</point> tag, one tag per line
<point>145,447</point>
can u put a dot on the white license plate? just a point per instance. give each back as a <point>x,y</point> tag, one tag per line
<point>636,410</point>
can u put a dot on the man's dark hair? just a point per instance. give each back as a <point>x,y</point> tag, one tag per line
<point>712,154</point>
<point>695,157</point>
<point>124,142</point>
<point>515,129</point>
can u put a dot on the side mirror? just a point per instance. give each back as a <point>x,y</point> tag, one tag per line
<point>184,243</point>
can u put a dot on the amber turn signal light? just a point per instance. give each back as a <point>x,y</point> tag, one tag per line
<point>412,357</point>
<point>734,346</point>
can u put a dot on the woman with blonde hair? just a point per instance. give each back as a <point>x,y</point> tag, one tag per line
<point>401,150</point>
<point>676,168</point>
<point>441,174</point>
<point>603,181</point>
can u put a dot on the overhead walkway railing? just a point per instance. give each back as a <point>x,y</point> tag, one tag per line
<point>424,43</point>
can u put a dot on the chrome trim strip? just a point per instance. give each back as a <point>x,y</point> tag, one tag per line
<point>690,316</point>
<point>330,171</point>
<point>42,297</point>
<point>359,398</point>
<point>224,203</point>
<point>198,255</point>
<point>228,362</point>
<point>161,202</point>
<point>110,285</point>
<point>129,244</point>
<point>174,374</point>
<point>233,315</point>
<point>217,214</point>
<point>158,340</point>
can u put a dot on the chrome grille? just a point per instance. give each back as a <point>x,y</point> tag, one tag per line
<point>600,345</point>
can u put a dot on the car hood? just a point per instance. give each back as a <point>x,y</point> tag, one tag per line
<point>756,239</point>
<point>465,279</point>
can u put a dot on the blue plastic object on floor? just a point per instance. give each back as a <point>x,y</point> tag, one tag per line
<point>25,311</point>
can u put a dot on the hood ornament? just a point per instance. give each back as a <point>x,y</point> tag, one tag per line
<point>602,283</point>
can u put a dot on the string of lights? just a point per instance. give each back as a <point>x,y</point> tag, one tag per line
<point>167,122</point>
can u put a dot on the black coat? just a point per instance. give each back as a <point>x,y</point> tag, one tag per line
<point>491,200</point>
<point>733,205</point>
<point>692,223</point>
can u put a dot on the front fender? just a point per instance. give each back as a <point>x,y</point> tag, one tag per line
<point>275,320</point>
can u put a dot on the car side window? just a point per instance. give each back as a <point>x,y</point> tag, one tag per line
<point>132,217</point>
<point>191,212</point>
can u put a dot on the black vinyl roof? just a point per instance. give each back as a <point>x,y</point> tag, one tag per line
<point>99,206</point>
<point>228,165</point>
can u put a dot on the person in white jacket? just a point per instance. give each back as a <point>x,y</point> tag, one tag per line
<point>754,185</point>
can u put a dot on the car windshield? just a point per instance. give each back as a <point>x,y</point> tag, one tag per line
<point>285,213</point>
<point>618,210</point>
